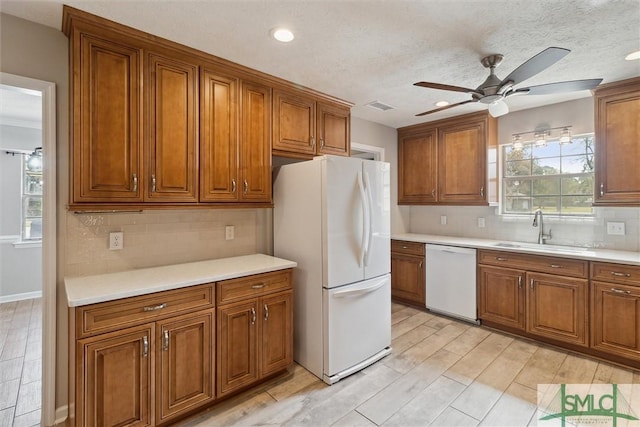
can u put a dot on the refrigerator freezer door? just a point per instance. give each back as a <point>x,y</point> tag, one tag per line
<point>357,321</point>
<point>377,180</point>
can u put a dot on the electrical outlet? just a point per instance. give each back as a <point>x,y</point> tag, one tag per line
<point>480,222</point>
<point>116,240</point>
<point>443,220</point>
<point>229,232</point>
<point>615,228</point>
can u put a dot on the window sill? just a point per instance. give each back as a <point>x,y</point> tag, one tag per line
<point>549,219</point>
<point>25,244</point>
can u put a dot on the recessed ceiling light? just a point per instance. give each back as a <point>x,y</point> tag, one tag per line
<point>441,104</point>
<point>633,55</point>
<point>282,34</point>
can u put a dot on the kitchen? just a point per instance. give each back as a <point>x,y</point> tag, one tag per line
<point>162,237</point>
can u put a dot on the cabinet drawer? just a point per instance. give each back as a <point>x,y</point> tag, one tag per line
<point>616,273</point>
<point>121,313</point>
<point>543,264</point>
<point>252,286</point>
<point>405,247</point>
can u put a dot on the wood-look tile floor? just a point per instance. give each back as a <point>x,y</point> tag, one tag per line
<point>20,363</point>
<point>441,372</point>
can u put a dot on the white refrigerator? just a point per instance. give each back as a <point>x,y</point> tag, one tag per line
<point>331,215</point>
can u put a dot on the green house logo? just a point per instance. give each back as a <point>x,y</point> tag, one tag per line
<point>587,405</point>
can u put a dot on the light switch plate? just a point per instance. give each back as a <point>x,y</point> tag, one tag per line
<point>615,228</point>
<point>443,219</point>
<point>229,232</point>
<point>481,223</point>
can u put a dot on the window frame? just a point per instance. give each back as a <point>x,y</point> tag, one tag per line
<point>24,197</point>
<point>531,178</point>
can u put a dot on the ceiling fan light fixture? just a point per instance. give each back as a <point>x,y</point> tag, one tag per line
<point>498,108</point>
<point>441,103</point>
<point>283,35</point>
<point>633,56</point>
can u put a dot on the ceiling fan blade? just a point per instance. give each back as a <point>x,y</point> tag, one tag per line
<point>536,64</point>
<point>445,87</point>
<point>447,107</point>
<point>559,87</point>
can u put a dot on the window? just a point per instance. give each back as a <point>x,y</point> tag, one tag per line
<point>556,177</point>
<point>32,197</point>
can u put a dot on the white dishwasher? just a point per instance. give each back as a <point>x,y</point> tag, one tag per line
<point>451,281</point>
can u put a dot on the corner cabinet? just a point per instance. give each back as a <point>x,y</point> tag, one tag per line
<point>446,162</point>
<point>617,114</point>
<point>304,127</point>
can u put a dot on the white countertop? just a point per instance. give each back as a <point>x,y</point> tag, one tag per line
<point>590,254</point>
<point>106,287</point>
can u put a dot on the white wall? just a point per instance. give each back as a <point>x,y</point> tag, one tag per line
<point>370,133</point>
<point>462,221</point>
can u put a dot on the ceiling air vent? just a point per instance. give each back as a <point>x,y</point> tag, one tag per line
<point>380,106</point>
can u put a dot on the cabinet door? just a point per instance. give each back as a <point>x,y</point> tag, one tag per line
<point>218,137</point>
<point>255,143</point>
<point>501,296</point>
<point>616,148</point>
<point>107,121</point>
<point>277,332</point>
<point>417,168</point>
<point>333,130</point>
<point>184,363</point>
<point>462,168</point>
<point>237,344</point>
<point>172,87</point>
<point>615,319</point>
<point>115,378</point>
<point>408,278</point>
<point>294,123</point>
<point>557,307</point>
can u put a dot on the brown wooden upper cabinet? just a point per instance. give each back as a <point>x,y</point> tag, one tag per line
<point>106,122</point>
<point>156,124</point>
<point>172,136</point>
<point>304,127</point>
<point>445,162</point>
<point>617,128</point>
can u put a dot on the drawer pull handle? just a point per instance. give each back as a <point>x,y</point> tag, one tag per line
<point>233,185</point>
<point>145,346</point>
<point>405,247</point>
<point>531,284</point>
<point>601,189</point>
<point>482,191</point>
<point>258,286</point>
<point>433,193</point>
<point>615,273</point>
<point>245,186</point>
<point>321,143</point>
<point>620,291</point>
<point>498,258</point>
<point>253,316</point>
<point>519,282</point>
<point>135,183</point>
<point>266,312</point>
<point>155,307</point>
<point>556,266</point>
<point>312,141</point>
<point>153,183</point>
<point>165,341</point>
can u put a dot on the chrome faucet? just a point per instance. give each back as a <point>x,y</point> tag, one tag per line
<point>541,236</point>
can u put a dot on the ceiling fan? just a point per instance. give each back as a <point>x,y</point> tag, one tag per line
<point>493,91</point>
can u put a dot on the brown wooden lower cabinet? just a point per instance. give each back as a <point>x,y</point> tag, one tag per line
<point>408,280</point>
<point>151,359</point>
<point>518,292</point>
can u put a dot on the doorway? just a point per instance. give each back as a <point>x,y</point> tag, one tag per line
<point>33,201</point>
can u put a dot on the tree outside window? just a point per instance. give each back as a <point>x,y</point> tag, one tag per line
<point>556,177</point>
<point>31,197</point>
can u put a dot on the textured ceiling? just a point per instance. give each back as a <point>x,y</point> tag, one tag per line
<point>374,50</point>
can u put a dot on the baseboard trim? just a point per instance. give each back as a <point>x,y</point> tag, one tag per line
<point>20,297</point>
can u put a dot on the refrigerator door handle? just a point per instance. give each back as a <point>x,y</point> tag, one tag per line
<point>365,214</point>
<point>362,291</point>
<point>367,186</point>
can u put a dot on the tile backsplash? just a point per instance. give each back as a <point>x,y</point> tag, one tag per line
<point>462,221</point>
<point>153,238</point>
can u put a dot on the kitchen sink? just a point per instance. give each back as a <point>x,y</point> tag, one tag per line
<point>542,248</point>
